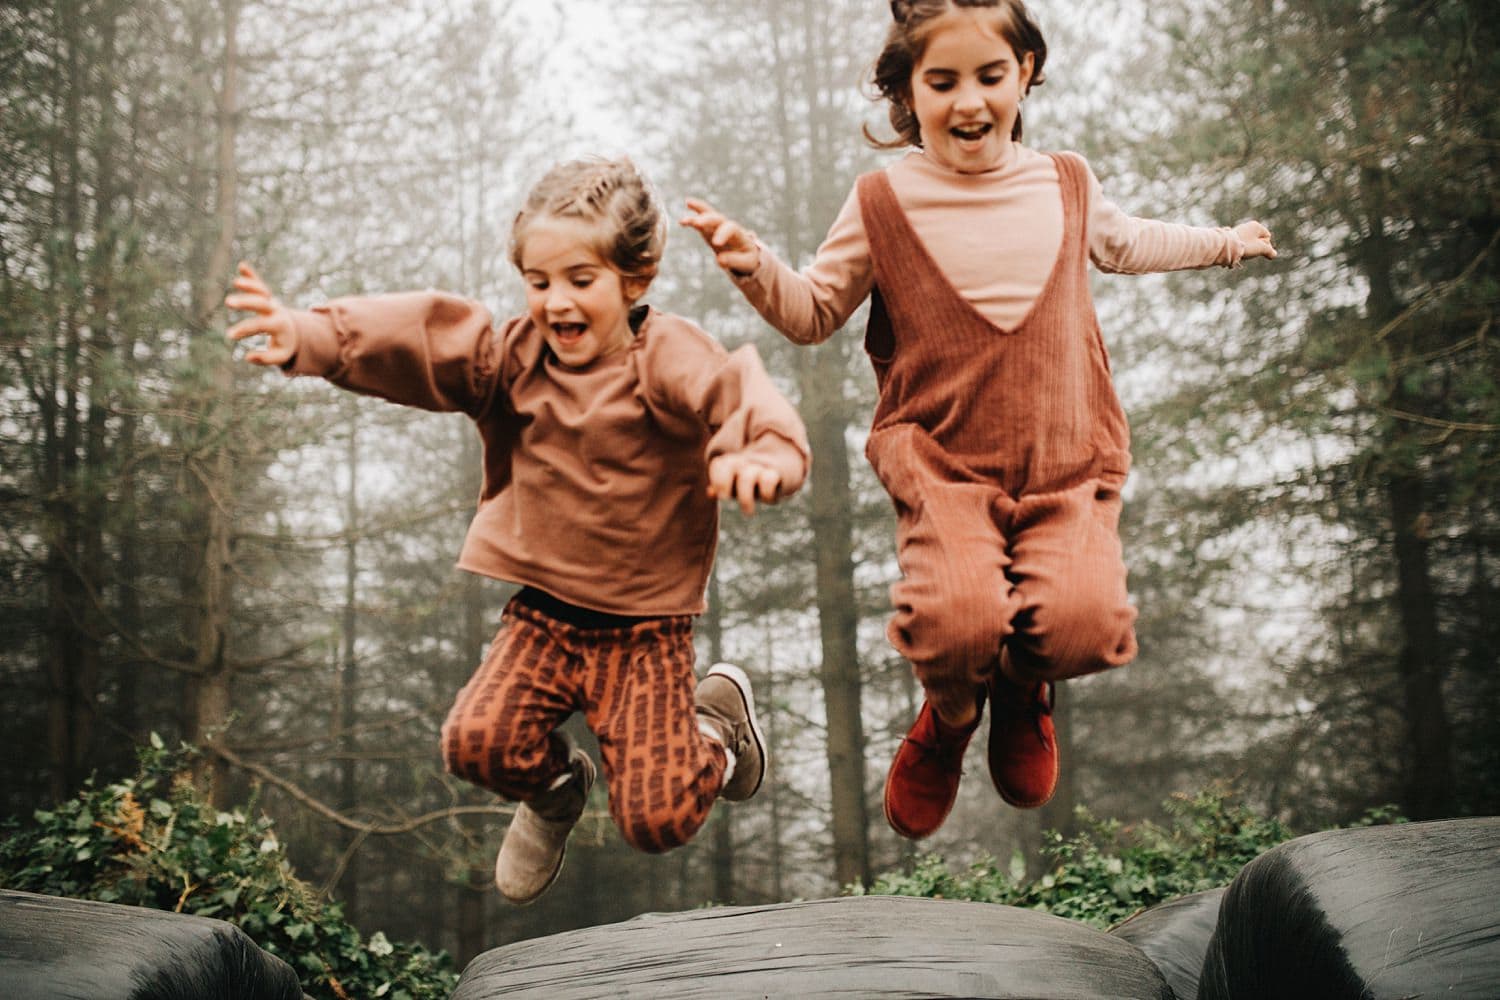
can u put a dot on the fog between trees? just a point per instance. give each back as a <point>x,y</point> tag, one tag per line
<point>208,551</point>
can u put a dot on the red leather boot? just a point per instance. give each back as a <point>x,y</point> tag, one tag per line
<point>922,784</point>
<point>1023,743</point>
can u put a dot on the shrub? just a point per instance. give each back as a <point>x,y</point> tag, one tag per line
<point>152,840</point>
<point>1109,871</point>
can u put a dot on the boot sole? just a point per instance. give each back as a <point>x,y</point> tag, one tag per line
<point>1019,804</point>
<point>741,681</point>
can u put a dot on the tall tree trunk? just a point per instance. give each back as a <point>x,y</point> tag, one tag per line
<point>348,708</point>
<point>778,860</point>
<point>821,381</point>
<point>93,561</point>
<point>127,573</point>
<point>1428,754</point>
<point>1429,737</point>
<point>470,895</point>
<point>1057,814</point>
<point>212,466</point>
<point>721,819</point>
<point>820,377</point>
<point>59,434</point>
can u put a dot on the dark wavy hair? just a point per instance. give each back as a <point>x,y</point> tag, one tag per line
<point>911,24</point>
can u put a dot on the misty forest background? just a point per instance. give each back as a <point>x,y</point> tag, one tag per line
<point>196,548</point>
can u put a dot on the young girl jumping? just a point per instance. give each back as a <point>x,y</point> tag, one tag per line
<point>609,430</point>
<point>997,432</point>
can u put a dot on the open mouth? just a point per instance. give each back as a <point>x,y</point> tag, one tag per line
<point>970,133</point>
<point>569,333</point>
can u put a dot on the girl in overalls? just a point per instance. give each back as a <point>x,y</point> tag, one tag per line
<point>997,431</point>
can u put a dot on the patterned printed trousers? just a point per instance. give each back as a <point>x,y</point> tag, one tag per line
<point>635,687</point>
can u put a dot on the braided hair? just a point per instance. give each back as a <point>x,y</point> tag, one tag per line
<point>625,221</point>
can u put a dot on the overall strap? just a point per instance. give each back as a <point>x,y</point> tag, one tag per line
<point>879,212</point>
<point>1073,184</point>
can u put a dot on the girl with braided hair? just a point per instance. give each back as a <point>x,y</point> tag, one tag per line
<point>997,432</point>
<point>609,431</point>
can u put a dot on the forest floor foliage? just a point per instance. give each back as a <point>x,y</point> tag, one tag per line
<point>1110,870</point>
<point>153,840</point>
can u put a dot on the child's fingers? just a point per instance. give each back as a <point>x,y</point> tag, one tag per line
<point>706,223</point>
<point>698,210</point>
<point>756,482</point>
<point>721,477</point>
<point>739,262</point>
<point>250,302</point>
<point>247,278</point>
<point>251,286</point>
<point>269,356</point>
<point>767,484</point>
<point>1257,239</point>
<point>1264,235</point>
<point>744,489</point>
<point>247,328</point>
<point>727,236</point>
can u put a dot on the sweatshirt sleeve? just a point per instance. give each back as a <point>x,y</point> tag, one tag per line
<point>730,394</point>
<point>426,349</point>
<point>807,307</point>
<point>1125,244</point>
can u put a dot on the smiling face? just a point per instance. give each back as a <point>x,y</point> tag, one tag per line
<point>580,303</point>
<point>965,91</point>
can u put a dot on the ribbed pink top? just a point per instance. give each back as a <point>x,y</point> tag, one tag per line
<point>994,234</point>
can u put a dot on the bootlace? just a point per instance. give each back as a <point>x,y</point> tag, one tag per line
<point>1041,707</point>
<point>948,752</point>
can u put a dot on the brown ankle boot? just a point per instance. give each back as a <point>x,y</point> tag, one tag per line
<point>531,856</point>
<point>727,708</point>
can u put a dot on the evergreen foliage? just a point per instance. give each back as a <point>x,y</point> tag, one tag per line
<point>153,840</point>
<point>1338,418</point>
<point>1109,870</point>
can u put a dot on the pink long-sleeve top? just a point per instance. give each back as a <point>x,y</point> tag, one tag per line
<point>595,478</point>
<point>995,235</point>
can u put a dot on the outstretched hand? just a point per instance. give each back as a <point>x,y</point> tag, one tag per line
<point>1257,240</point>
<point>743,479</point>
<point>271,319</point>
<point>733,245</point>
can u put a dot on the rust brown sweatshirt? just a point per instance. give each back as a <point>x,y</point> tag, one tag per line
<point>595,478</point>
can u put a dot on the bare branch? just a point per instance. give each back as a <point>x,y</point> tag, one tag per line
<point>334,816</point>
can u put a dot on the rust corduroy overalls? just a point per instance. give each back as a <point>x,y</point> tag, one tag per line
<point>1004,452</point>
